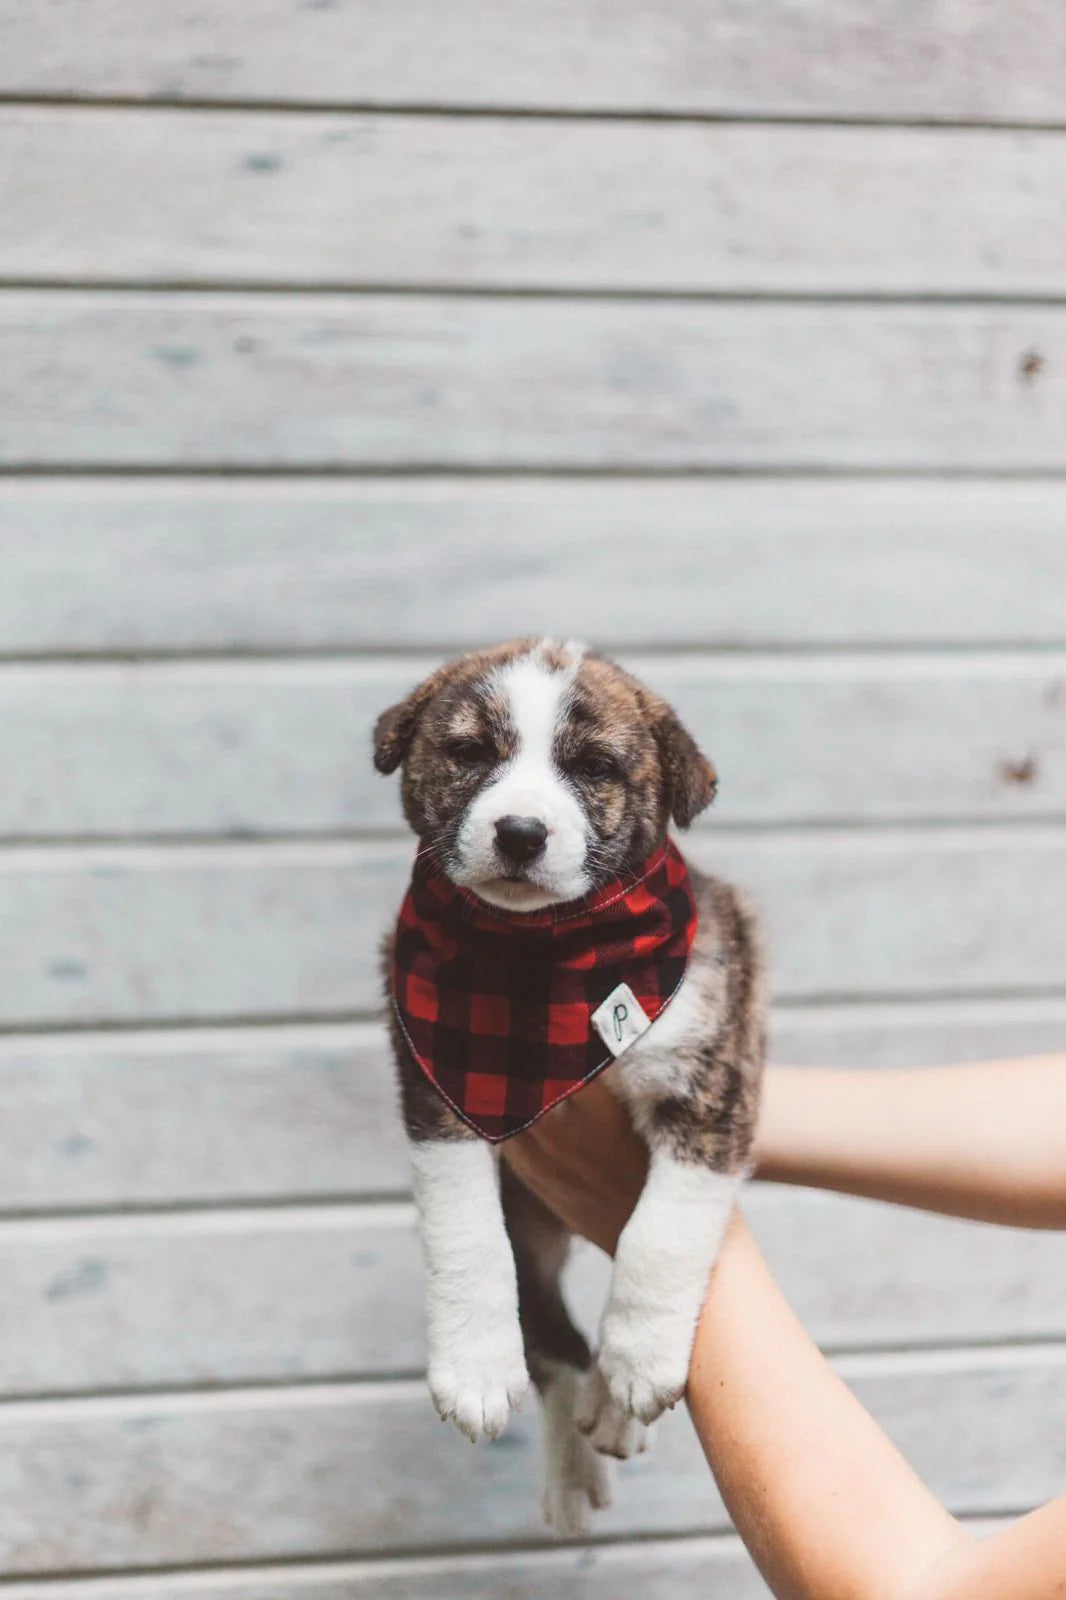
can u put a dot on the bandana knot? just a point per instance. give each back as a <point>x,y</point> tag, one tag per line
<point>507,1013</point>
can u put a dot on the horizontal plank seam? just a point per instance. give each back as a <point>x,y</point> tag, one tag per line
<point>384,1381</point>
<point>298,106</point>
<point>372,1561</point>
<point>904,661</point>
<point>918,650</point>
<point>339,1208</point>
<point>91,1027</point>
<point>857,1365</point>
<point>336,1213</point>
<point>598,293</point>
<point>241,1033</point>
<point>12,843</point>
<point>181,1398</point>
<point>151,1394</point>
<point>183,1024</point>
<point>1021,818</point>
<point>364,1028</point>
<point>540,471</point>
<point>350,1029</point>
<point>226,294</point>
<point>495,1548</point>
<point>377,1560</point>
<point>376,1208</point>
<point>854,1364</point>
<point>388,1561</point>
<point>373,1202</point>
<point>194,480</point>
<point>392,843</point>
<point>828,997</point>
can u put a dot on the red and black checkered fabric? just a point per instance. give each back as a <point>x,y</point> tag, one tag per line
<point>496,1007</point>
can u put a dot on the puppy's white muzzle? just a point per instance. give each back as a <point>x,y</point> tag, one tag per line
<point>484,859</point>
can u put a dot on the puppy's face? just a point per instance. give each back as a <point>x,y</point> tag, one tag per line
<point>536,772</point>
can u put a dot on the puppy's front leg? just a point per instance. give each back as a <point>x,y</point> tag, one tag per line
<point>477,1369</point>
<point>661,1273</point>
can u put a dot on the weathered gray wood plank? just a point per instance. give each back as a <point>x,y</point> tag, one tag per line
<point>711,1568</point>
<point>165,196</point>
<point>918,1034</point>
<point>135,566</point>
<point>279,1113</point>
<point>337,1470</point>
<point>99,1304</point>
<point>117,565</point>
<point>283,747</point>
<point>842,58</point>
<point>192,380</point>
<point>714,1567</point>
<point>861,1274</point>
<point>213,932</point>
<point>218,1297</point>
<point>297,1112</point>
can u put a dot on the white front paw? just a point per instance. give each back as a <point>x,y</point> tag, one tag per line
<point>477,1381</point>
<point>644,1358</point>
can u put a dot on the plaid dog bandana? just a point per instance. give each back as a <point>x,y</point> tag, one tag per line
<point>509,1013</point>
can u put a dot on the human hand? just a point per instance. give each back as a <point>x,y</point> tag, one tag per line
<point>584,1161</point>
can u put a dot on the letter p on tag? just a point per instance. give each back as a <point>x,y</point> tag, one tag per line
<point>620,1020</point>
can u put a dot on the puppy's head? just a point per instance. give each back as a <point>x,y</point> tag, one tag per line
<point>535,772</point>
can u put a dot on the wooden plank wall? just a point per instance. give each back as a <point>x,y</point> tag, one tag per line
<point>335,337</point>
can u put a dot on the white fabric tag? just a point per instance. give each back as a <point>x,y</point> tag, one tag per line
<point>621,1019</point>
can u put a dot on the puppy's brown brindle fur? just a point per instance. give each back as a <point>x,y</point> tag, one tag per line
<point>699,1106</point>
<point>661,774</point>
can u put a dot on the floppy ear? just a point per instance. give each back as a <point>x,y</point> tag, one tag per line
<point>395,728</point>
<point>690,778</point>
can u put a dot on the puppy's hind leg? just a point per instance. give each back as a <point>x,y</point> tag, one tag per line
<point>575,1477</point>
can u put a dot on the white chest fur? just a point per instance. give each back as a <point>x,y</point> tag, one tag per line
<point>669,1245</point>
<point>656,1064</point>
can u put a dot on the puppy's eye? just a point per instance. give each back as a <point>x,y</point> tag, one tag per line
<point>470,752</point>
<point>596,765</point>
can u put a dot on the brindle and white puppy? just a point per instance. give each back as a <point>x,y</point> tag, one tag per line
<point>596,766</point>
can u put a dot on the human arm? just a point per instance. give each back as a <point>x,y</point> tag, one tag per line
<point>828,1507</point>
<point>825,1503</point>
<point>986,1141</point>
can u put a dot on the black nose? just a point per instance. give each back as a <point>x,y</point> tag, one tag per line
<point>520,839</point>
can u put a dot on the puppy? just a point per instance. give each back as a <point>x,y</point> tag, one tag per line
<point>552,931</point>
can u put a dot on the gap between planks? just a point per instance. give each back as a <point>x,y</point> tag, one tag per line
<point>714,662</point>
<point>330,472</point>
<point>414,289</point>
<point>805,655</point>
<point>13,844</point>
<point>316,1393</point>
<point>488,111</point>
<point>319,849</point>
<point>367,1027</point>
<point>139,1583</point>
